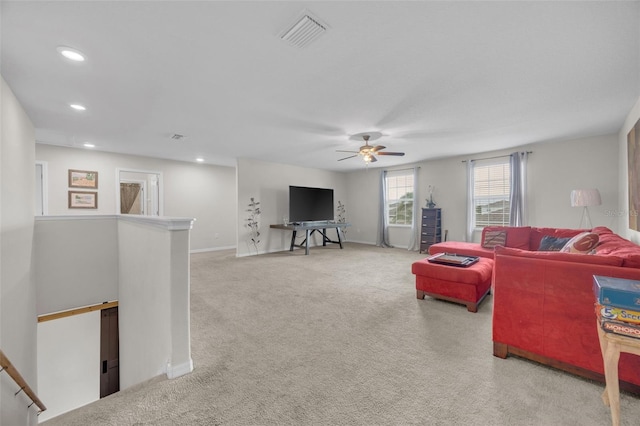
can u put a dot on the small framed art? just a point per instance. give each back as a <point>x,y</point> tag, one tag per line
<point>83,179</point>
<point>83,200</point>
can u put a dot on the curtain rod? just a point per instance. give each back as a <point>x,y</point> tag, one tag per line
<point>401,170</point>
<point>491,158</point>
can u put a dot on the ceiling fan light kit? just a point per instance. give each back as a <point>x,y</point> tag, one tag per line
<point>369,152</point>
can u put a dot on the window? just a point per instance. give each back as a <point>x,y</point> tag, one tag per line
<point>399,198</point>
<point>491,189</point>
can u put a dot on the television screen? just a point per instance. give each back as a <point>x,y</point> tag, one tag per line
<point>310,204</point>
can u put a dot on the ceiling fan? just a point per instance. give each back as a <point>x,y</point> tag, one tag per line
<point>369,152</point>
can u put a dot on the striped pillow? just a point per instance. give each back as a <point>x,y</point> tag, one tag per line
<point>490,239</point>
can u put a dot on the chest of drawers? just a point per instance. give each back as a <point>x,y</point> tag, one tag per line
<point>431,228</point>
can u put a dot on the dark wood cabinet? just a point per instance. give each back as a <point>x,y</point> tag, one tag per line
<point>430,229</point>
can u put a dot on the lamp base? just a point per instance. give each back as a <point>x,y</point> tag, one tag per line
<point>586,219</point>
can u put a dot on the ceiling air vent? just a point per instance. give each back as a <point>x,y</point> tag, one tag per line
<point>304,31</point>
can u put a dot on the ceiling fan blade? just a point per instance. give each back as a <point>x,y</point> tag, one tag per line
<point>378,148</point>
<point>345,158</point>
<point>373,159</point>
<point>390,153</point>
<point>340,150</point>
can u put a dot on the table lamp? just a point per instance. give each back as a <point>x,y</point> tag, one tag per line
<point>585,198</point>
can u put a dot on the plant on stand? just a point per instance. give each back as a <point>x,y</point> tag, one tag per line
<point>430,203</point>
<point>252,223</point>
<point>342,216</point>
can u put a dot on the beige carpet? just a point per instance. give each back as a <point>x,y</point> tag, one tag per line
<point>339,338</point>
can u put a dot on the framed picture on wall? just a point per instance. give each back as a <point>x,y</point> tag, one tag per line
<point>83,179</point>
<point>83,200</point>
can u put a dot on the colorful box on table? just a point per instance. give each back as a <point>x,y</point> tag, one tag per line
<point>612,313</point>
<point>617,292</point>
<point>619,327</point>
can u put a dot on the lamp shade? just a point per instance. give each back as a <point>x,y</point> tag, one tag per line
<point>585,197</point>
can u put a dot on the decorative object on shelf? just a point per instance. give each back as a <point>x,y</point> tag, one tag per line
<point>83,200</point>
<point>430,203</point>
<point>342,216</point>
<point>585,198</point>
<point>83,179</point>
<point>253,224</point>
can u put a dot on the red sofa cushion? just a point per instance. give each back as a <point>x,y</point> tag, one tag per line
<point>601,230</point>
<point>559,256</point>
<point>614,245</point>
<point>477,273</point>
<point>460,247</point>
<point>517,236</point>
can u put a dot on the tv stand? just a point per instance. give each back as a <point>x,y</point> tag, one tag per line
<point>310,228</point>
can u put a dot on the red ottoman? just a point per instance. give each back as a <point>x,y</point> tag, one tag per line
<point>467,286</point>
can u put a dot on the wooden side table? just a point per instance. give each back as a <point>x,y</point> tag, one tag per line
<point>611,345</point>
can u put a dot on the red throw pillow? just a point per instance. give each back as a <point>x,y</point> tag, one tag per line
<point>584,243</point>
<point>518,237</point>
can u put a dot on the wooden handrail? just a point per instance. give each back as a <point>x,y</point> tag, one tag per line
<point>11,370</point>
<point>76,311</point>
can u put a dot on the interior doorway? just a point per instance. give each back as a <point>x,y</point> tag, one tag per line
<point>140,192</point>
<point>109,352</point>
<point>132,197</point>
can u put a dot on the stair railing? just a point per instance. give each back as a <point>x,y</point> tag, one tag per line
<point>6,365</point>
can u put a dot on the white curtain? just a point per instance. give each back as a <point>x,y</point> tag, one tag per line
<point>383,229</point>
<point>414,240</point>
<point>518,196</point>
<point>471,211</point>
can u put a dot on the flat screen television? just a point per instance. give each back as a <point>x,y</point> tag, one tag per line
<point>310,204</point>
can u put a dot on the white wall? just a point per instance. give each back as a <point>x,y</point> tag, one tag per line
<point>18,332</point>
<point>202,191</point>
<point>269,184</point>
<point>622,210</point>
<point>554,169</point>
<point>69,362</point>
<point>153,293</point>
<point>76,261</point>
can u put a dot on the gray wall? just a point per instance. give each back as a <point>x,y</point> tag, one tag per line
<point>77,262</point>
<point>269,184</point>
<point>17,286</point>
<point>554,169</point>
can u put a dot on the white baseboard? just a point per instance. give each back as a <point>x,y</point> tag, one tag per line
<point>174,371</point>
<point>204,250</point>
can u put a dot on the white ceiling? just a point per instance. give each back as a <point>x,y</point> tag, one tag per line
<point>436,78</point>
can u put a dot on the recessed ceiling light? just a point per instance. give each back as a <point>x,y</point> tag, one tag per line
<point>70,53</point>
<point>199,159</point>
<point>78,107</point>
<point>88,145</point>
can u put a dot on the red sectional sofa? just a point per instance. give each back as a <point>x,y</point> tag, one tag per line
<point>543,301</point>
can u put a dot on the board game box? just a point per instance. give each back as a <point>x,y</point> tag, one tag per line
<point>617,292</point>
<point>621,328</point>
<point>618,314</point>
